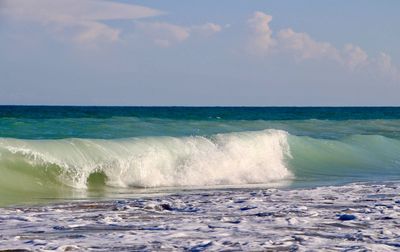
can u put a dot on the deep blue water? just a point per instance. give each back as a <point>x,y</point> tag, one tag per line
<point>203,113</point>
<point>48,122</point>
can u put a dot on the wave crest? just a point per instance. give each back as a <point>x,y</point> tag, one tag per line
<point>222,159</point>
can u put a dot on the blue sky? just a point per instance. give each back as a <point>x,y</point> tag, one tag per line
<point>227,52</point>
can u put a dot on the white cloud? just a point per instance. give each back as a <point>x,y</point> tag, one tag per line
<point>386,67</point>
<point>94,31</point>
<point>262,33</point>
<point>83,17</point>
<point>165,34</point>
<point>354,57</point>
<point>207,29</point>
<point>83,21</point>
<point>303,47</point>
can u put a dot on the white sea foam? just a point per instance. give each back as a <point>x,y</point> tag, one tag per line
<point>354,217</point>
<point>234,158</point>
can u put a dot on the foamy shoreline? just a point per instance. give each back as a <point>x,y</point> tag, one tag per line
<point>355,216</point>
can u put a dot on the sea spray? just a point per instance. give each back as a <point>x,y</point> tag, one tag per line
<point>221,159</point>
<point>239,158</point>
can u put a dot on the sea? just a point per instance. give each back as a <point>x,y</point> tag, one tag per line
<point>111,157</point>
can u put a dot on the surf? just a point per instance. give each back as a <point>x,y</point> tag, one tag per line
<point>221,159</point>
<point>270,157</point>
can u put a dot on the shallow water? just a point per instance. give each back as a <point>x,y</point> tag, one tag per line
<point>354,217</point>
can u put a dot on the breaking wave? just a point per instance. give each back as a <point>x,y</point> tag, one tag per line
<point>222,159</point>
<point>240,158</point>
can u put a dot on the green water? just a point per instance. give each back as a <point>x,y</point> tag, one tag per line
<point>52,153</point>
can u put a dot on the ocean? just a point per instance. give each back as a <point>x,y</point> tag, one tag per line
<point>58,155</point>
<point>51,152</point>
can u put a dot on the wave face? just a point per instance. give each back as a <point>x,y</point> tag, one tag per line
<point>222,159</point>
<point>348,159</point>
<point>259,157</point>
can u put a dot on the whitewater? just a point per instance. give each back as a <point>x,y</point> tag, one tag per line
<point>236,158</point>
<point>268,157</point>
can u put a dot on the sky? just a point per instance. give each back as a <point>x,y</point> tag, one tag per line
<point>200,53</point>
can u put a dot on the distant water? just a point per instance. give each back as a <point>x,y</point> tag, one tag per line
<point>73,152</point>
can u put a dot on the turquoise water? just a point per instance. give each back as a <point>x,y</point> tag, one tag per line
<point>56,152</point>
